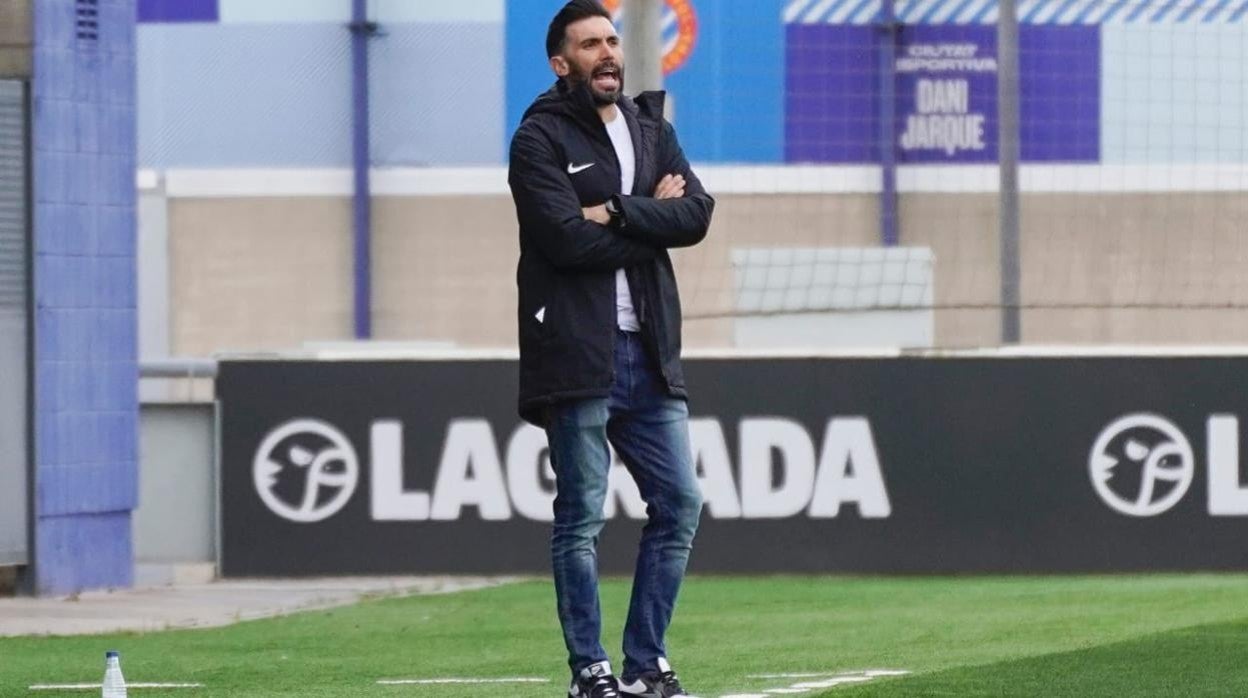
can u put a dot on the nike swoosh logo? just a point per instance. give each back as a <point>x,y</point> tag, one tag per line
<point>573,169</point>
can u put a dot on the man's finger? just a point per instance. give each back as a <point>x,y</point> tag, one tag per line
<point>661,187</point>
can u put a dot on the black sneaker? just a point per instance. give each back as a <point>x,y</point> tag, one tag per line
<point>595,681</point>
<point>654,684</point>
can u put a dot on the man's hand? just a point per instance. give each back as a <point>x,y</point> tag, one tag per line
<point>597,214</point>
<point>670,187</point>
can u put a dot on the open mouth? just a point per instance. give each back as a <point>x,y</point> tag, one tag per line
<point>606,78</point>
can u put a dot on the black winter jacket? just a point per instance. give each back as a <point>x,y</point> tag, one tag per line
<point>566,274</point>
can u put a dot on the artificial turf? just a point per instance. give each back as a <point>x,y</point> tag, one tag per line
<point>989,636</point>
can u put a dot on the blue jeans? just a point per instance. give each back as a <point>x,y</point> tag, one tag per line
<point>650,431</point>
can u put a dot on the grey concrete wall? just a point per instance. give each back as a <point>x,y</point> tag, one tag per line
<point>175,522</point>
<point>270,273</point>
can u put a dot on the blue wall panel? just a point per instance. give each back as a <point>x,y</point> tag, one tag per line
<point>246,95</point>
<point>1176,93</point>
<point>86,379</point>
<point>178,10</point>
<point>527,69</point>
<point>729,96</point>
<point>81,552</point>
<point>386,12</point>
<point>447,112</point>
<point>279,95</point>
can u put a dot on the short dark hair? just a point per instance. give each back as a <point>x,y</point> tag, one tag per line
<point>573,12</point>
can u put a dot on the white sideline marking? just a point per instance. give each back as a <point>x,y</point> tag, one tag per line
<point>430,682</point>
<point>818,674</point>
<point>829,683</point>
<point>793,676</point>
<point>832,679</point>
<point>96,686</point>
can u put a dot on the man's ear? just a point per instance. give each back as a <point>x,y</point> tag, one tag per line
<point>559,64</point>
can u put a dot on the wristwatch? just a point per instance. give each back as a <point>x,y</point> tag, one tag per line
<point>615,211</point>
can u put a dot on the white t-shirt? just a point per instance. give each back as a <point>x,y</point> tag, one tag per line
<point>622,141</point>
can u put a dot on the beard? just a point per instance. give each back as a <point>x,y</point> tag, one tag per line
<point>600,79</point>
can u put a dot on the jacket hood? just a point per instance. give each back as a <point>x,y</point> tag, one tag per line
<point>577,102</point>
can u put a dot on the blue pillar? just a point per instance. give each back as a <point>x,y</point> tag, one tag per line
<point>85,349</point>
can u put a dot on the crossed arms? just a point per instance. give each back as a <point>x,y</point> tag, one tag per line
<point>578,239</point>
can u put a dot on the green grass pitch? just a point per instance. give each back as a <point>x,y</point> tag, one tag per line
<point>1162,635</point>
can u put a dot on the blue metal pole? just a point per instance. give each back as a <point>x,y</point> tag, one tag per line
<point>361,30</point>
<point>888,119</point>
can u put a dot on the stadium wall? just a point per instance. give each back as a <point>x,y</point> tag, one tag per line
<point>444,266</point>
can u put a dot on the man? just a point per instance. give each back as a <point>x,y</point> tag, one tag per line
<point>602,190</point>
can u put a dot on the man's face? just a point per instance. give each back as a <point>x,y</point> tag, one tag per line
<point>592,54</point>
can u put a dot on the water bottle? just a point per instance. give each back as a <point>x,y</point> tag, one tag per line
<point>114,682</point>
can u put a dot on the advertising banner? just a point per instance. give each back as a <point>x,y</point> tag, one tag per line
<point>945,83</point>
<point>915,465</point>
<point>947,94</point>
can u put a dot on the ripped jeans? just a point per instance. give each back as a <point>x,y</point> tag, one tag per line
<point>650,431</point>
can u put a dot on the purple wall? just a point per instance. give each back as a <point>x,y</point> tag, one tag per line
<point>831,93</point>
<point>1060,100</point>
<point>86,379</point>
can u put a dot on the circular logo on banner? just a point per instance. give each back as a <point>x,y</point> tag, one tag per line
<point>1141,465</point>
<point>305,470</point>
<point>680,31</point>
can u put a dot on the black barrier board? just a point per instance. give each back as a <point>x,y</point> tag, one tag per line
<point>911,465</point>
